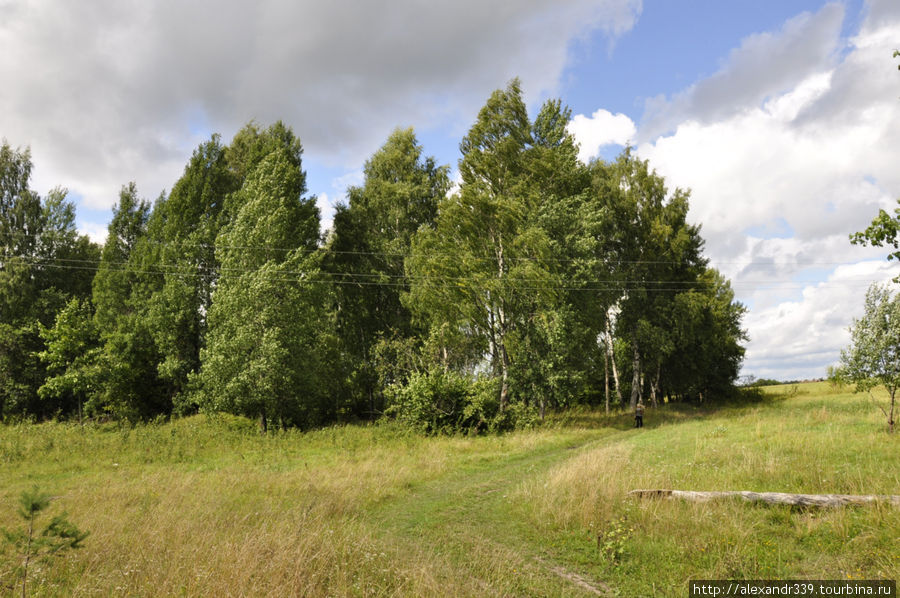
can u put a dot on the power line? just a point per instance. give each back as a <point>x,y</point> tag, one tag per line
<point>269,248</point>
<point>401,281</point>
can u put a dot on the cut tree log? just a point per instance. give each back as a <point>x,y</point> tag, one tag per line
<point>773,498</point>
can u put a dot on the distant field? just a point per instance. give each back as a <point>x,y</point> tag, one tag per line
<point>207,507</point>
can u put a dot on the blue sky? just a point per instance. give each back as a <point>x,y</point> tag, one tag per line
<point>672,45</point>
<point>780,116</point>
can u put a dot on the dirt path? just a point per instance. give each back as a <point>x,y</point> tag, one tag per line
<point>597,588</point>
<point>468,516</point>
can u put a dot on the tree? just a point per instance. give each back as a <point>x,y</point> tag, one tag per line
<point>129,386</point>
<point>191,218</point>
<point>43,263</point>
<point>652,253</point>
<point>477,273</point>
<point>267,350</point>
<point>72,358</point>
<point>113,281</point>
<point>31,543</point>
<point>704,329</point>
<point>499,278</point>
<point>873,357</point>
<point>555,361</point>
<point>371,236</point>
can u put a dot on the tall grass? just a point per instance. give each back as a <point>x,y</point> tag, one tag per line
<point>206,506</point>
<point>814,439</point>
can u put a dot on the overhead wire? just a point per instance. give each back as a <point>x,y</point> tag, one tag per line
<point>269,248</point>
<point>402,281</point>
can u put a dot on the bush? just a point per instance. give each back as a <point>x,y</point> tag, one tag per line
<point>439,402</point>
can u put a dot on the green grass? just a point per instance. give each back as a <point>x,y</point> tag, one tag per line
<point>208,507</point>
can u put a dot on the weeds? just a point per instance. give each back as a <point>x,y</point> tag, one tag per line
<point>611,543</point>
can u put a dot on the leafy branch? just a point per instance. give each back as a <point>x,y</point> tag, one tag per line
<point>30,544</point>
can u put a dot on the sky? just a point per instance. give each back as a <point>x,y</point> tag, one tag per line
<point>780,116</point>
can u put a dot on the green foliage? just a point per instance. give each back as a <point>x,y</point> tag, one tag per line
<point>482,275</point>
<point>129,383</point>
<point>509,299</point>
<point>176,312</point>
<point>30,543</point>
<point>445,402</point>
<point>873,357</point>
<point>72,359</point>
<point>365,252</point>
<point>268,343</point>
<point>113,281</point>
<point>881,232</point>
<point>36,236</point>
<point>612,541</point>
<point>431,403</point>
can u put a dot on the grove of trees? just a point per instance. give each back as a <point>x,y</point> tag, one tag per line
<point>536,283</point>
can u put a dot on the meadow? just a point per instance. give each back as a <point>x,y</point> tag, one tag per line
<point>205,506</point>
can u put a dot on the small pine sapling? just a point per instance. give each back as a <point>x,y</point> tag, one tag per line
<point>30,544</point>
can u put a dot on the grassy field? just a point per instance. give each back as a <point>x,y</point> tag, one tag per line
<point>207,507</point>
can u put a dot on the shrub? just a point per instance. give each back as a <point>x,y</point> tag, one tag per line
<point>439,402</point>
<point>434,402</point>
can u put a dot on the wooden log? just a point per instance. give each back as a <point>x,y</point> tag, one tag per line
<point>773,498</point>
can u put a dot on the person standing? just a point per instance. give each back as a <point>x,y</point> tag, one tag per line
<point>639,415</point>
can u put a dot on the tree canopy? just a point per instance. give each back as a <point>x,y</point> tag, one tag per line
<point>526,287</point>
<point>873,357</point>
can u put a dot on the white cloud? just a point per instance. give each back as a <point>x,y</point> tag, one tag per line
<point>112,91</point>
<point>797,339</point>
<point>765,64</point>
<point>354,178</point>
<point>600,129</point>
<point>95,231</point>
<point>326,211</point>
<point>782,171</point>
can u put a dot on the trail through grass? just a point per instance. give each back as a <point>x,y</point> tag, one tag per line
<point>468,514</point>
<point>202,507</point>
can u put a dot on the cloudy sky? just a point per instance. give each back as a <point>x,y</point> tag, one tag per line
<point>780,116</point>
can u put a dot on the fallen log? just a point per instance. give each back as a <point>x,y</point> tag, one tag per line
<point>773,498</point>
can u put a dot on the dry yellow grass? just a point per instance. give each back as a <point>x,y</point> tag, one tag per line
<point>204,507</point>
<point>195,508</point>
<point>818,440</point>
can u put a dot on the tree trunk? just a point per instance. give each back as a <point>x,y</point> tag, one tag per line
<point>502,329</point>
<point>504,374</point>
<point>654,385</point>
<point>891,416</point>
<point>263,422</point>
<point>772,498</point>
<point>636,377</point>
<point>612,359</point>
<point>606,377</point>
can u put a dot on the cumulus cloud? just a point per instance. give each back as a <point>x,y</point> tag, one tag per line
<point>764,65</point>
<point>797,339</point>
<point>353,178</point>
<point>782,170</point>
<point>600,129</point>
<point>111,91</point>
